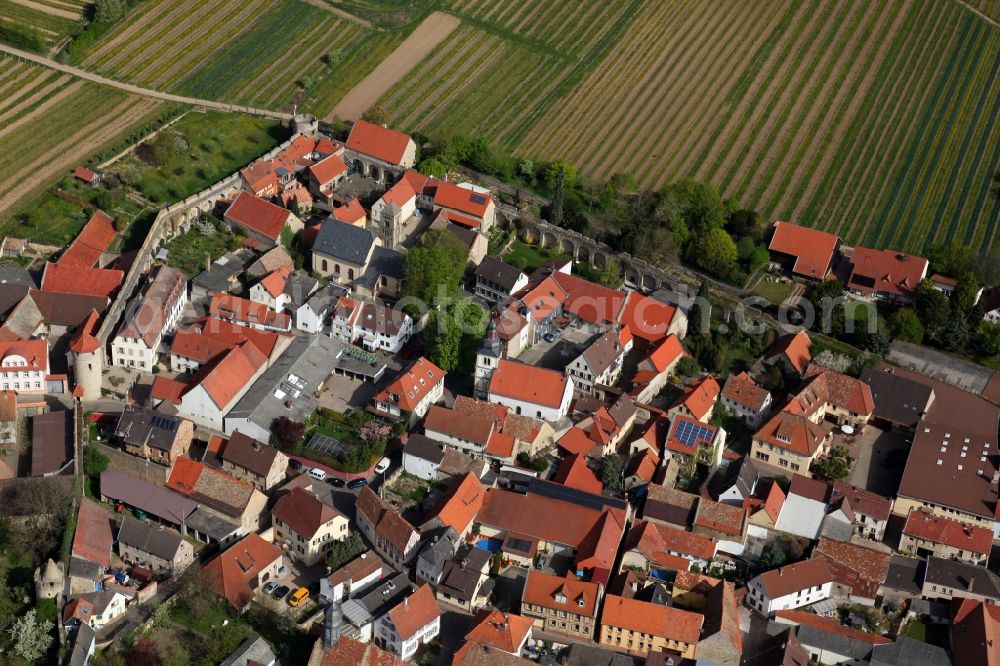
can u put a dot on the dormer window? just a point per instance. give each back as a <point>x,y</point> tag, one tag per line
<point>560,598</point>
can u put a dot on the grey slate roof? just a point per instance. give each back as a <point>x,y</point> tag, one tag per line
<point>425,448</point>
<point>217,277</point>
<point>439,550</point>
<point>140,426</point>
<point>148,538</point>
<point>580,654</point>
<point>82,645</point>
<point>848,647</point>
<point>154,500</point>
<point>298,287</point>
<point>383,262</point>
<point>212,523</point>
<point>897,399</point>
<point>905,574</point>
<point>961,576</point>
<point>311,358</point>
<point>344,241</point>
<point>13,274</point>
<point>906,651</point>
<point>252,651</point>
<point>461,575</point>
<point>248,453</point>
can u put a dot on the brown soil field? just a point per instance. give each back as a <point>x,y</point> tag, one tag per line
<point>48,9</point>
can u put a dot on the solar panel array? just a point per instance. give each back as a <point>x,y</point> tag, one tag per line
<point>563,493</point>
<point>328,446</point>
<point>689,433</point>
<point>162,423</point>
<point>478,199</point>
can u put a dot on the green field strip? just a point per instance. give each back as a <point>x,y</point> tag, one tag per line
<point>364,56</point>
<point>787,155</point>
<point>771,89</point>
<point>675,83</point>
<point>978,208</point>
<point>563,132</point>
<point>759,72</point>
<point>28,96</point>
<point>144,23</point>
<point>16,85</point>
<point>858,143</point>
<point>543,75</point>
<point>510,36</point>
<point>430,69</point>
<point>34,17</point>
<point>303,59</point>
<point>902,181</point>
<point>152,35</point>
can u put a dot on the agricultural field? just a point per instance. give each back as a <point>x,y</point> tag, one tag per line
<point>49,123</point>
<point>989,7</point>
<point>53,19</point>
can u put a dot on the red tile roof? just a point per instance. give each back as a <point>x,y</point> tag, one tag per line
<point>861,569</point>
<point>503,631</point>
<point>647,317</point>
<point>598,549</point>
<point>828,386</point>
<point>93,538</point>
<point>655,540</point>
<point>304,512</point>
<point>413,384</point>
<point>792,432</point>
<point>978,623</point>
<point>885,272</point>
<point>384,520</point>
<point>462,199</point>
<point>543,298</point>
<point>720,517</point>
<point>653,619</point>
<point>797,576</point>
<point>813,249</point>
<point>666,352</point>
<point>528,383</point>
<point>70,279</point>
<point>643,465</point>
<point>573,472</point>
<point>927,526</point>
<point>399,194</point>
<point>327,169</point>
<point>167,389</point>
<point>275,282</point>
<point>675,444</point>
<point>539,517</point>
<point>379,142</point>
<point>415,612</point>
<point>34,352</point>
<point>743,390</point>
<point>234,308</point>
<point>591,302</point>
<point>863,501</point>
<point>796,349</point>
<point>84,340</point>
<point>233,373</point>
<point>257,215</point>
<point>462,503</point>
<point>699,398</point>
<point>230,573</point>
<point>349,651</point>
<point>352,212</point>
<point>541,589</point>
<point>84,174</point>
<point>831,626</point>
<point>500,445</point>
<point>94,240</point>
<point>260,176</point>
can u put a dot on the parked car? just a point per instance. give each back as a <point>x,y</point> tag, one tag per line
<point>335,481</point>
<point>270,587</point>
<point>552,336</point>
<point>280,592</point>
<point>295,464</point>
<point>360,482</point>
<point>382,465</point>
<point>298,597</point>
<point>317,474</point>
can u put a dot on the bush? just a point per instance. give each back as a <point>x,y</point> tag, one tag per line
<point>94,462</point>
<point>22,37</point>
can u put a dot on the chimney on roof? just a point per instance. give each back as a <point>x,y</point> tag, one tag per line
<point>208,261</point>
<point>972,581</point>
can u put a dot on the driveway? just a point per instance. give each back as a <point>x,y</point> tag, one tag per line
<point>508,588</point>
<point>557,355</point>
<point>876,467</point>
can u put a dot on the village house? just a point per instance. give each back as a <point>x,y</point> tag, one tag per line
<point>736,483</point>
<point>561,605</point>
<point>53,442</point>
<point>394,538</point>
<point>655,549</point>
<point>154,547</point>
<point>24,365</point>
<point>858,572</point>
<point>422,456</point>
<point>653,371</point>
<point>352,213</point>
<point>497,281</point>
<point>871,510</point>
<point>459,507</point>
<point>977,622</point>
<point>641,627</point>
<point>925,534</point>
<point>801,251</point>
<point>485,429</point>
<point>153,435</point>
<point>239,501</point>
<point>392,212</point>
<point>466,204</point>
<point>308,526</point>
<point>948,579</point>
<point>412,393</point>
<point>259,464</point>
<point>791,586</point>
<point>342,251</point>
<point>95,609</point>
<point>725,523</point>
<point>379,152</point>
<point>601,363</point>
<point>148,318</point>
<point>413,622</point>
<point>260,221</point>
<point>275,289</point>
<point>573,472</point>
<point>600,433</point>
<point>505,632</point>
<point>804,507</point>
<point>667,505</point>
<point>247,313</point>
<point>313,315</point>
<point>742,397</point>
<point>222,275</point>
<point>352,578</point>
<point>325,176</point>
<point>531,390</point>
<point>698,400</point>
<point>791,353</point>
<point>885,274</point>
<point>692,442</point>
<point>239,571</point>
<point>362,614</point>
<point>465,580</point>
<point>376,326</point>
<point>209,339</point>
<point>827,641</point>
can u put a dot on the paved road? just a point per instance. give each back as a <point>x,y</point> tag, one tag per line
<point>137,90</point>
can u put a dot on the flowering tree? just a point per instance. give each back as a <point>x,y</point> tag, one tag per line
<point>31,637</point>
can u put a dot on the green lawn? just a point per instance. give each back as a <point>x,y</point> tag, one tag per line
<point>928,632</point>
<point>775,291</point>
<point>210,146</point>
<point>187,251</point>
<point>529,257</point>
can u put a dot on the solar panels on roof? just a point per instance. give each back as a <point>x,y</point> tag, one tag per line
<point>689,433</point>
<point>563,493</point>
<point>162,423</point>
<point>477,199</point>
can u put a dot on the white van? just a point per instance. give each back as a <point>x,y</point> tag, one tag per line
<point>382,465</point>
<point>316,473</point>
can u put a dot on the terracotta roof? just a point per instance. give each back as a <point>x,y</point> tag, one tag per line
<point>574,473</point>
<point>863,501</point>
<point>450,422</point>
<point>594,303</point>
<point>813,249</point>
<point>207,485</point>
<point>304,512</point>
<point>689,581</point>
<point>647,317</point>
<point>500,445</point>
<point>148,320</point>
<point>813,489</point>
<point>608,348</point>
<point>413,384</point>
<point>792,432</point>
<point>228,306</point>
<point>927,526</point>
<point>885,271</point>
<point>743,390</point>
<point>352,212</point>
<point>598,549</point>
<point>828,386</point>
<point>260,176</point>
<point>415,612</point>
<point>666,352</point>
<point>797,576</point>
<point>69,279</point>
<point>831,626</point>
<point>653,619</point>
<point>643,465</point>
<point>84,174</point>
<point>84,340</point>
<point>229,575</point>
<point>978,625</point>
<point>775,500</point>
<point>541,589</point>
<point>462,503</point>
<point>232,373</point>
<point>862,569</point>
<point>538,517</point>
<point>721,517</point>
<point>93,241</point>
<point>93,538</point>
<point>327,169</point>
<point>702,435</point>
<point>164,388</point>
<point>364,565</point>
<point>385,521</point>
<point>796,349</point>
<point>463,199</point>
<point>349,651</point>
<point>274,282</point>
<point>670,505</point>
<point>542,298</point>
<point>700,397</point>
<point>528,383</point>
<point>399,194</point>
<point>379,142</point>
<point>655,541</point>
<point>34,352</point>
<point>257,215</point>
<point>503,631</point>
